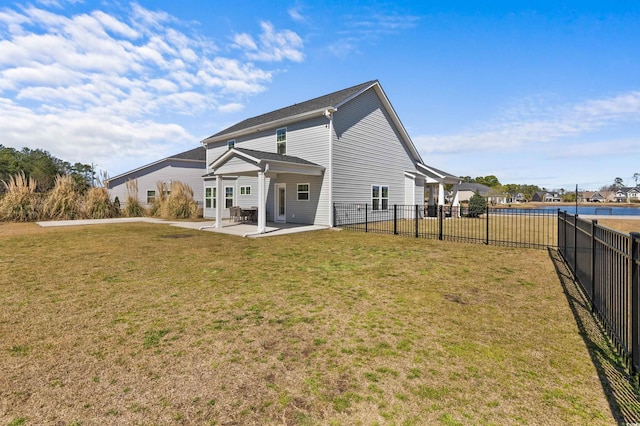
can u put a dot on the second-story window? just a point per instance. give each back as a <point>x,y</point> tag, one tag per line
<point>231,144</point>
<point>281,141</point>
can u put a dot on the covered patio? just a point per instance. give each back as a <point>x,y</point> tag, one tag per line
<point>262,165</point>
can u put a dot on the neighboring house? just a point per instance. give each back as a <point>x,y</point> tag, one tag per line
<point>186,167</point>
<point>598,196</point>
<point>516,198</point>
<point>547,197</point>
<point>628,195</point>
<point>466,190</point>
<point>294,163</point>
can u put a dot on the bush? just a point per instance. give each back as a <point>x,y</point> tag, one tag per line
<point>477,205</point>
<point>20,203</point>
<point>98,205</point>
<point>179,204</point>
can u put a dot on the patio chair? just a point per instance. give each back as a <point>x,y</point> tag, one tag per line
<point>235,213</point>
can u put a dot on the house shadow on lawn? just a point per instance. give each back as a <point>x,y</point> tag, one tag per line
<point>618,385</point>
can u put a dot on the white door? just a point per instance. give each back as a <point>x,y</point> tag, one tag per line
<point>280,202</point>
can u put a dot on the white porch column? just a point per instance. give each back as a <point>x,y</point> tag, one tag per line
<point>455,202</point>
<point>262,204</point>
<point>219,201</point>
<point>431,197</point>
<point>440,194</point>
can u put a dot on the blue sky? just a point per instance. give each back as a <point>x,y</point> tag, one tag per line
<point>546,94</point>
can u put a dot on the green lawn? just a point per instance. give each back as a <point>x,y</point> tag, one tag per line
<point>150,324</point>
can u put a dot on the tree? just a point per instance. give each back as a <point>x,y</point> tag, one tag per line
<point>491,181</point>
<point>636,178</point>
<point>477,205</point>
<point>617,183</point>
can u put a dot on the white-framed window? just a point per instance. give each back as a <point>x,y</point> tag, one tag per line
<point>245,190</point>
<point>210,198</point>
<point>303,192</point>
<point>151,196</point>
<point>231,143</point>
<point>281,141</point>
<point>228,197</point>
<point>379,197</point>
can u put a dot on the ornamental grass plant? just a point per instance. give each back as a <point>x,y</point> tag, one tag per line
<point>63,201</point>
<point>97,204</point>
<point>132,207</point>
<point>179,204</point>
<point>21,202</point>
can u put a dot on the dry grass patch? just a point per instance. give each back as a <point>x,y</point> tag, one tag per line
<point>622,225</point>
<point>124,324</point>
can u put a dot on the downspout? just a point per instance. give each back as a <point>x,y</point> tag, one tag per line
<point>329,114</point>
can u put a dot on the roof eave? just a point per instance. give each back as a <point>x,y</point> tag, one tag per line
<point>269,125</point>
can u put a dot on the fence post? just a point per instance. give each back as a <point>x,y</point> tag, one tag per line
<point>395,219</point>
<point>634,272</point>
<point>417,223</point>
<point>440,224</point>
<point>366,217</point>
<point>334,215</point>
<point>575,245</point>
<point>487,236</point>
<point>593,265</point>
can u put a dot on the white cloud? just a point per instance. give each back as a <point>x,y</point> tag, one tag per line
<point>296,14</point>
<point>273,46</point>
<point>107,88</point>
<point>538,129</point>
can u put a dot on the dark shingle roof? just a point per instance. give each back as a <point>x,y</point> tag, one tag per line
<point>196,154</point>
<point>311,105</point>
<point>262,155</point>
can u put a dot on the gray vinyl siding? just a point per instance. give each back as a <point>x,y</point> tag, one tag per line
<point>299,211</point>
<point>307,139</point>
<point>187,172</point>
<point>367,150</point>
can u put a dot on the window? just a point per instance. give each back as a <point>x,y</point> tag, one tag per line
<point>303,192</point>
<point>231,144</point>
<point>210,198</point>
<point>380,197</point>
<point>281,141</point>
<point>245,190</point>
<point>151,196</point>
<point>228,196</point>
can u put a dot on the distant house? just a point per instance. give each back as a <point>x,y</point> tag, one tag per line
<point>466,190</point>
<point>294,163</point>
<point>547,197</point>
<point>627,194</point>
<point>597,196</point>
<point>186,167</point>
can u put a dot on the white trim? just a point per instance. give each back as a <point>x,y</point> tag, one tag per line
<point>285,140</point>
<point>308,191</point>
<point>380,198</point>
<point>233,195</point>
<point>276,203</point>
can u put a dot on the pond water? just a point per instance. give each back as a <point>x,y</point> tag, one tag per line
<point>597,210</point>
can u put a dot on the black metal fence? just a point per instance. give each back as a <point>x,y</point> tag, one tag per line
<point>531,228</point>
<point>606,264</point>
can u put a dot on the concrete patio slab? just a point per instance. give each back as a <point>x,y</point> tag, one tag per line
<point>241,229</point>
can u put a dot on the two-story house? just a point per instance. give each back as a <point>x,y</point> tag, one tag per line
<point>294,163</point>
